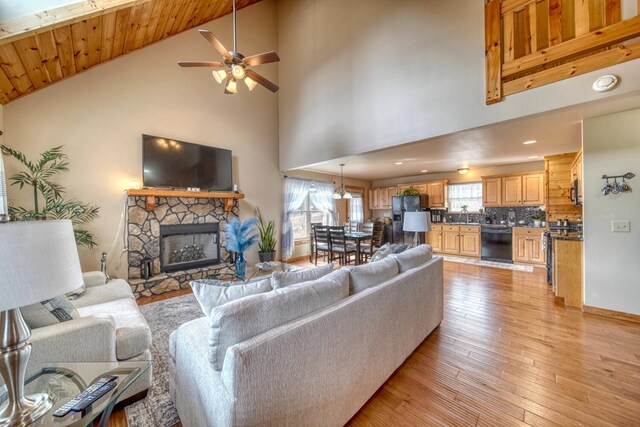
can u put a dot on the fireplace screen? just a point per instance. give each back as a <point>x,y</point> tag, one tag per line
<point>189,246</point>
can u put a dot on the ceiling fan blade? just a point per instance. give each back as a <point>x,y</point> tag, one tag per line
<point>262,58</point>
<point>215,42</point>
<point>264,82</point>
<point>213,64</point>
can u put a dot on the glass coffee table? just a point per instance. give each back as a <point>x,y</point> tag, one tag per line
<point>64,381</point>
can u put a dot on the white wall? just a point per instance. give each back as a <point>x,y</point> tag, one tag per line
<point>99,116</point>
<point>612,267</point>
<point>365,75</point>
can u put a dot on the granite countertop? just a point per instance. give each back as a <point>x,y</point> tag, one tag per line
<point>571,236</point>
<point>477,224</point>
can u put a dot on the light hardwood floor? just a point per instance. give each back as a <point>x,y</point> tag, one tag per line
<point>508,354</point>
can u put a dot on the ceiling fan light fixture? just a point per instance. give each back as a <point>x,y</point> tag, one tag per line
<point>219,75</point>
<point>232,86</point>
<point>251,84</point>
<point>238,71</point>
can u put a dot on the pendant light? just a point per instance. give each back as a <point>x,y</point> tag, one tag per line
<point>341,192</point>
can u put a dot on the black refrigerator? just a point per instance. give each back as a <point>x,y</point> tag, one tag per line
<point>400,205</point>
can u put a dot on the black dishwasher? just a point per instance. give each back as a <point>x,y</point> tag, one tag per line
<point>497,243</point>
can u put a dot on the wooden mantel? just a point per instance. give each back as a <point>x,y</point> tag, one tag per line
<point>152,193</point>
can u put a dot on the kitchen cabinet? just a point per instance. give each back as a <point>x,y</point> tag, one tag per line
<point>527,245</point>
<point>514,190</point>
<point>533,189</point>
<point>434,238</point>
<point>456,239</point>
<point>420,187</point>
<point>437,192</point>
<point>491,192</point>
<point>567,271</point>
<point>470,241</point>
<point>373,198</point>
<point>380,198</point>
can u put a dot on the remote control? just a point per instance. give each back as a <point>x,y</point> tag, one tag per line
<point>90,391</point>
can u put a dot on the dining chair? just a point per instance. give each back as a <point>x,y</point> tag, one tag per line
<point>322,242</point>
<point>353,226</point>
<point>312,240</point>
<point>377,231</point>
<point>339,247</point>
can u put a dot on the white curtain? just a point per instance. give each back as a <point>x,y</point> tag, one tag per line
<point>322,200</point>
<point>465,194</point>
<point>356,212</point>
<point>3,190</point>
<point>295,193</point>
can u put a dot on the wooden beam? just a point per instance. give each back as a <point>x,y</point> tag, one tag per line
<point>17,28</point>
<point>492,51</point>
<point>613,34</point>
<point>600,60</point>
<point>510,5</point>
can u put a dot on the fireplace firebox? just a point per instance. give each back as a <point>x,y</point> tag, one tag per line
<point>186,246</point>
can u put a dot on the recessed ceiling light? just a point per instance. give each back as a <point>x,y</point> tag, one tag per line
<point>533,157</point>
<point>398,163</point>
<point>424,171</point>
<point>533,141</point>
<point>605,83</point>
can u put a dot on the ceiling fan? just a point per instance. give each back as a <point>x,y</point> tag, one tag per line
<point>235,65</point>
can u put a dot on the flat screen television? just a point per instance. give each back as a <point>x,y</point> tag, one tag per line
<point>178,164</point>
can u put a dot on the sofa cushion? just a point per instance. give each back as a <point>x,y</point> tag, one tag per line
<point>245,318</point>
<point>413,257</point>
<point>113,290</point>
<point>212,293</point>
<point>133,335</point>
<point>372,274</point>
<point>49,312</point>
<point>286,278</point>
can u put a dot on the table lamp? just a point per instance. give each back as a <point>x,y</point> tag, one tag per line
<point>38,261</point>
<point>417,222</point>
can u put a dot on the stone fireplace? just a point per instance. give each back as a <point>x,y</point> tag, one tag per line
<point>178,241</point>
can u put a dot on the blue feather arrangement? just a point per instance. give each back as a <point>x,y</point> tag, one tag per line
<point>241,235</point>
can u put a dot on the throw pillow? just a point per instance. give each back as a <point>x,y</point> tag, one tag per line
<point>213,293</point>
<point>287,278</point>
<point>246,318</point>
<point>382,252</point>
<point>49,312</point>
<point>372,274</point>
<point>414,257</point>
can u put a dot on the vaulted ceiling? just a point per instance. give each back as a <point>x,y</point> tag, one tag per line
<point>40,49</point>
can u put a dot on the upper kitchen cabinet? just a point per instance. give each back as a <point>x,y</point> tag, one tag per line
<point>437,192</point>
<point>422,188</point>
<point>380,198</point>
<point>513,190</point>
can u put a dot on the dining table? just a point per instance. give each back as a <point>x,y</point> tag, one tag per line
<point>357,237</point>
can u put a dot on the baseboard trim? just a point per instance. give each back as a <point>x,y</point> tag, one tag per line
<point>612,314</point>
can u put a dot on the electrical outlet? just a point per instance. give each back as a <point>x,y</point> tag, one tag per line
<point>621,226</point>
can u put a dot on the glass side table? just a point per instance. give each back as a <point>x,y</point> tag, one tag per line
<point>64,381</point>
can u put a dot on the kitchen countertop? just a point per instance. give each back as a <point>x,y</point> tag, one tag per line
<point>571,236</point>
<point>478,224</point>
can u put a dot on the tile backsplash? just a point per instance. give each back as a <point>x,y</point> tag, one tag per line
<point>498,214</point>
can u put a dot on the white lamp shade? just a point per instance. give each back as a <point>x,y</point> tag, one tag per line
<point>416,221</point>
<point>38,261</point>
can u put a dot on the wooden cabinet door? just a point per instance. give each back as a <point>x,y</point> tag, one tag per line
<point>434,238</point>
<point>451,242</point>
<point>422,188</point>
<point>536,254</point>
<point>383,198</point>
<point>393,191</point>
<point>533,189</point>
<point>520,248</point>
<point>512,190</point>
<point>436,194</point>
<point>373,198</point>
<point>402,187</point>
<point>492,192</point>
<point>470,244</point>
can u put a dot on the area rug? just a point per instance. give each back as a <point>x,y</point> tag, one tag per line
<point>475,261</point>
<point>163,317</point>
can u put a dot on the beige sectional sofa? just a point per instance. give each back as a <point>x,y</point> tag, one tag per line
<point>318,369</point>
<point>110,328</point>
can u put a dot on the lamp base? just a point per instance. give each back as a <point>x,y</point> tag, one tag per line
<point>26,411</point>
<point>15,349</point>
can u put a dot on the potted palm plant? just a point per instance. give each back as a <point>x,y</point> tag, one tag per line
<point>267,245</point>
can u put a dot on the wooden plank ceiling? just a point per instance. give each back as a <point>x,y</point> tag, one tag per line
<point>41,49</point>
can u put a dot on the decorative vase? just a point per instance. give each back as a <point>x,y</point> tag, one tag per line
<point>267,256</point>
<point>537,222</point>
<point>241,265</point>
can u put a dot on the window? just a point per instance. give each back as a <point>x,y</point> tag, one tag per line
<point>469,194</point>
<point>302,219</point>
<point>356,212</point>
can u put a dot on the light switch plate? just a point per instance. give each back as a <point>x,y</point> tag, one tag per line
<point>621,226</point>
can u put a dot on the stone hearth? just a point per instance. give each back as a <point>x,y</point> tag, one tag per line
<point>144,240</point>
